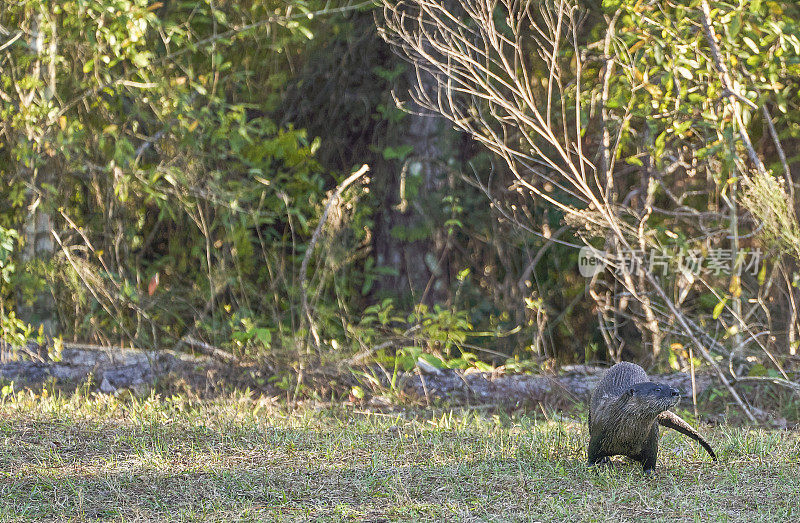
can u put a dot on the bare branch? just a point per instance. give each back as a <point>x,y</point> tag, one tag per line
<point>478,72</point>
<point>314,239</point>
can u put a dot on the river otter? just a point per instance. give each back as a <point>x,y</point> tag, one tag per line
<point>624,415</point>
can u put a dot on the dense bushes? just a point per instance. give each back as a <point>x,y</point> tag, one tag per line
<point>166,164</point>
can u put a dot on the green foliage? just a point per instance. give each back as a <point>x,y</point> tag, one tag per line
<point>676,124</point>
<point>444,330</point>
<point>249,339</point>
<point>13,330</point>
<point>16,332</point>
<point>8,239</point>
<point>436,337</point>
<point>180,196</point>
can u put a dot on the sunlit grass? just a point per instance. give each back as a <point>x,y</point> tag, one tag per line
<point>239,459</point>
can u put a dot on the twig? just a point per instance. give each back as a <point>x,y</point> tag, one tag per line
<point>190,332</point>
<point>781,154</point>
<point>11,40</point>
<point>209,349</point>
<point>539,254</point>
<point>271,20</point>
<point>727,84</point>
<point>94,347</point>
<point>706,355</point>
<point>361,356</point>
<point>88,286</point>
<point>766,379</point>
<point>694,382</point>
<point>314,239</point>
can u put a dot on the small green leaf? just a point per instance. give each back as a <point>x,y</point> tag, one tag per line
<point>357,392</point>
<point>7,389</point>
<point>762,274</point>
<point>306,32</point>
<point>719,308</point>
<point>686,73</point>
<point>264,336</point>
<point>751,44</point>
<point>397,153</point>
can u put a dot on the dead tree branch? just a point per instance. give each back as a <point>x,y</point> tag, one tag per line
<point>483,56</point>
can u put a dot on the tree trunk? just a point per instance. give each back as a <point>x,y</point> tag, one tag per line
<point>410,237</point>
<point>37,251</point>
<point>37,241</point>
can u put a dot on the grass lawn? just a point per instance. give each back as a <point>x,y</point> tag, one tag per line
<point>90,457</point>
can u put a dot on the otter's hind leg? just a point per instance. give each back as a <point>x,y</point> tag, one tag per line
<point>648,456</point>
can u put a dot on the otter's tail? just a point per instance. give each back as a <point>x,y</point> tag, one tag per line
<point>673,421</point>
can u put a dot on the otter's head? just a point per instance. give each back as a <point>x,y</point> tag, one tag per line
<point>652,398</point>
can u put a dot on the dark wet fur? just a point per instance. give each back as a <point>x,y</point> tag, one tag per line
<point>626,409</point>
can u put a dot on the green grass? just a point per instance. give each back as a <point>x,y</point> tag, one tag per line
<point>90,457</point>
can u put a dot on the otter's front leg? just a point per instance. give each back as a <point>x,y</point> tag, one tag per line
<point>594,454</point>
<point>648,455</point>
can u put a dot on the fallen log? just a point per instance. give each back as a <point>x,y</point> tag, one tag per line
<point>574,383</point>
<point>112,369</point>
